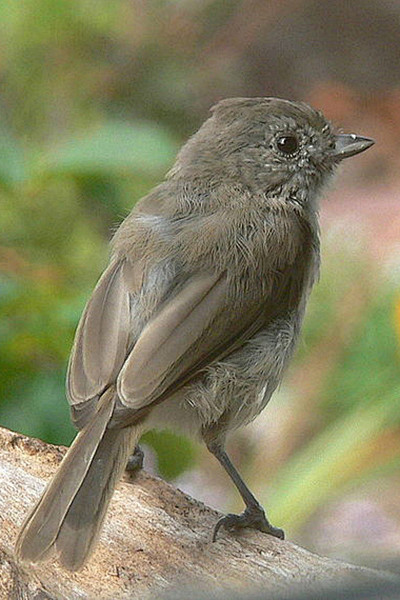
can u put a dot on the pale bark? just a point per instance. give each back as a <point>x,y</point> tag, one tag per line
<point>154,537</point>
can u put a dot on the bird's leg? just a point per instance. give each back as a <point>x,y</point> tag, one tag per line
<point>253,516</point>
<point>135,461</point>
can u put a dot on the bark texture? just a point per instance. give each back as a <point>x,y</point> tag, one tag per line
<point>154,538</point>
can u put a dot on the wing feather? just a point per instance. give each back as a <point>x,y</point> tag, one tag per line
<point>168,337</point>
<point>102,338</point>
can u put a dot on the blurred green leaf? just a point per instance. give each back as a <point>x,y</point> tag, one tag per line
<point>38,407</point>
<point>331,459</point>
<point>115,148</point>
<point>12,160</point>
<point>368,363</point>
<point>175,453</point>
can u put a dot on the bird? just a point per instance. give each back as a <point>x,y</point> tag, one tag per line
<point>197,315</point>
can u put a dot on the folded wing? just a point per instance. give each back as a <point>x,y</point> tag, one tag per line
<point>194,325</point>
<point>170,343</point>
<point>102,339</point>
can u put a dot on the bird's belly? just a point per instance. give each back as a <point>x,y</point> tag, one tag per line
<point>238,387</point>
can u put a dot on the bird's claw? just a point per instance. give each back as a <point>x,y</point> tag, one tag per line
<point>253,517</point>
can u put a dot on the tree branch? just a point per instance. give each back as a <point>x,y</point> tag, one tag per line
<point>154,537</point>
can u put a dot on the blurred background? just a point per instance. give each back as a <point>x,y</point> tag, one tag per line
<point>95,99</point>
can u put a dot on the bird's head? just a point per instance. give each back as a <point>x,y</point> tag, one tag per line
<point>268,145</point>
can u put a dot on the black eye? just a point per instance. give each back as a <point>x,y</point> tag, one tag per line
<point>287,144</point>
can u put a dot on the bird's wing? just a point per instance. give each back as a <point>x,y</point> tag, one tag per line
<point>174,340</point>
<point>102,338</point>
<point>192,327</point>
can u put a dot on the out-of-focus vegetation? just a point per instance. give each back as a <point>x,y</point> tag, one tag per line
<point>95,99</point>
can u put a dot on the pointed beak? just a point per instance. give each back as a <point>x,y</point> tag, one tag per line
<point>349,144</point>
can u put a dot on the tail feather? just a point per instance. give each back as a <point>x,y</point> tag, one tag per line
<point>68,516</point>
<point>82,523</point>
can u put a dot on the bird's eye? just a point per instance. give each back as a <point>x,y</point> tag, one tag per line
<point>287,144</point>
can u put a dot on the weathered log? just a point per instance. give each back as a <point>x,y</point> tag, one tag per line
<point>154,538</point>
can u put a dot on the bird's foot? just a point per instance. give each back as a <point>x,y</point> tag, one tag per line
<point>253,517</point>
<point>135,461</point>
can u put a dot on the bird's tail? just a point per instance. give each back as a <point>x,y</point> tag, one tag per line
<point>68,516</point>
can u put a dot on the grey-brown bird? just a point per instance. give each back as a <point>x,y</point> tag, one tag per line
<point>195,319</point>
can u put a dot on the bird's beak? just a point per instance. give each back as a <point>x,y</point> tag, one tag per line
<point>349,144</point>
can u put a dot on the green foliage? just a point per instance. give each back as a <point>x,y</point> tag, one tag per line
<point>333,458</point>
<point>175,453</point>
<point>68,173</point>
<point>53,249</point>
<point>368,369</point>
<point>116,148</point>
<point>359,402</point>
<point>12,165</point>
